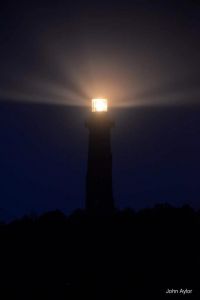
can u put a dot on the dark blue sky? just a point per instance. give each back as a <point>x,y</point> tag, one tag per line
<point>54,56</point>
<point>43,157</point>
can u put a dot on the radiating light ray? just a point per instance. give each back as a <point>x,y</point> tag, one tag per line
<point>65,77</point>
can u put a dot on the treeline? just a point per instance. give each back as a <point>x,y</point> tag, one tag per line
<point>121,255</point>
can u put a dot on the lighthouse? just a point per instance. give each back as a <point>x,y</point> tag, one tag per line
<point>99,189</point>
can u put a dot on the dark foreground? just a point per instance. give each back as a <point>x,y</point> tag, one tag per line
<point>124,256</point>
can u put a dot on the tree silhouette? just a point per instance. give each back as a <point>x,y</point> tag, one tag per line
<point>125,254</point>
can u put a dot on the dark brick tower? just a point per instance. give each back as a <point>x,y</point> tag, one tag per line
<point>99,194</point>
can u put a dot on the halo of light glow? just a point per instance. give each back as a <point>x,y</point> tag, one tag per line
<point>99,105</point>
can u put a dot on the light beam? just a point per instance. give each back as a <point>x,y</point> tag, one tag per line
<point>99,105</point>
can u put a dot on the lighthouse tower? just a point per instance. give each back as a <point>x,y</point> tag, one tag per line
<point>99,192</point>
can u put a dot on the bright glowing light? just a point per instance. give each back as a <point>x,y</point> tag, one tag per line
<point>99,105</point>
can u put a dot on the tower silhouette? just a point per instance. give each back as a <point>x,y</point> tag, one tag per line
<point>99,191</point>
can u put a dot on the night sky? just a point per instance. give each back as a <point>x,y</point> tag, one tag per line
<point>144,56</point>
